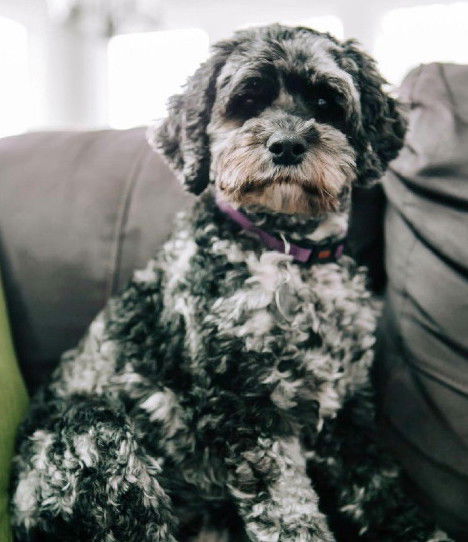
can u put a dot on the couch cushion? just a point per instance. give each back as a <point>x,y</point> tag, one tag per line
<point>422,362</point>
<point>78,212</point>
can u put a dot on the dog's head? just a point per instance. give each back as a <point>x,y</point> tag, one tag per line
<point>285,118</point>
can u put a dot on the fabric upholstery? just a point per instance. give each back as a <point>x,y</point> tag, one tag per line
<point>422,363</point>
<point>13,403</point>
<point>78,212</point>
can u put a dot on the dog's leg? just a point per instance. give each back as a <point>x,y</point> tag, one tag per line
<point>362,488</point>
<point>83,477</point>
<point>273,493</point>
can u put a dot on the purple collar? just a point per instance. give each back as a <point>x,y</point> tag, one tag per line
<point>322,252</point>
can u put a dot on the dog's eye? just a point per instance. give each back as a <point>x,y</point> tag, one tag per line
<point>322,97</point>
<point>253,84</point>
<point>327,107</point>
<point>253,89</point>
<point>251,98</point>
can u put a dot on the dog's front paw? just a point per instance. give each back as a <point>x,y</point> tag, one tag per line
<point>439,536</point>
<point>264,533</point>
<point>319,533</point>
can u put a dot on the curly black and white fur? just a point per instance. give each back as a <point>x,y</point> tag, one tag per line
<point>227,389</point>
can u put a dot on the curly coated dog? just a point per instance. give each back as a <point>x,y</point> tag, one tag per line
<point>226,393</point>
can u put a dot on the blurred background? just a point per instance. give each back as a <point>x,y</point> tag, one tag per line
<point>98,63</point>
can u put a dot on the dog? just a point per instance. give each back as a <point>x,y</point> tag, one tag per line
<point>225,394</point>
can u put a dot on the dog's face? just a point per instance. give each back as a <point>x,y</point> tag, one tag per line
<point>285,118</point>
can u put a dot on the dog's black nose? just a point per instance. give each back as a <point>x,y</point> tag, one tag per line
<point>287,149</point>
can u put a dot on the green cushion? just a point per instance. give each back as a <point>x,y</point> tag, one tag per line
<point>13,404</point>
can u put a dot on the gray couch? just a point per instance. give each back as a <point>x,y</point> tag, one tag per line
<point>422,362</point>
<point>79,211</point>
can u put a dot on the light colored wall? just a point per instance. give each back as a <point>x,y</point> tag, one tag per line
<point>69,66</point>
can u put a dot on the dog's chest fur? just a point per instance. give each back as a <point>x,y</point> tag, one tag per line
<point>255,339</point>
<point>303,333</point>
<point>219,337</point>
<point>318,317</point>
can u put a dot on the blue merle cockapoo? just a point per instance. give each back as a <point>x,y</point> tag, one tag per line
<point>225,394</point>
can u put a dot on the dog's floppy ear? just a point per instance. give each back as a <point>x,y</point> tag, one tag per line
<point>182,137</point>
<point>383,125</point>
